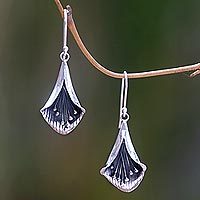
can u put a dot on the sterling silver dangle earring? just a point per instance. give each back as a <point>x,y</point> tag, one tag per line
<point>63,111</point>
<point>123,167</point>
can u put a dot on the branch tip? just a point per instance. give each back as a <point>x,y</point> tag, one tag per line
<point>197,72</point>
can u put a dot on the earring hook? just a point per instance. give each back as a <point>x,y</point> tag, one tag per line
<point>124,116</point>
<point>64,56</point>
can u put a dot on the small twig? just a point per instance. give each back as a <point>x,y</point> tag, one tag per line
<point>195,73</point>
<point>72,27</point>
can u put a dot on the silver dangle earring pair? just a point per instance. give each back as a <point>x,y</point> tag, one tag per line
<point>62,111</point>
<point>123,167</point>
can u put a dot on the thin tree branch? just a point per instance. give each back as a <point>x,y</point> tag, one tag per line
<point>60,7</point>
<point>195,68</point>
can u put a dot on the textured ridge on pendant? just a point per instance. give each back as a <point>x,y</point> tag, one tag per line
<point>63,111</point>
<point>123,168</point>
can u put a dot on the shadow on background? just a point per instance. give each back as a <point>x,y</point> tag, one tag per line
<point>36,163</point>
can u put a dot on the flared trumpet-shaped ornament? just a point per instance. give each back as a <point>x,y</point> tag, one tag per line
<point>123,167</point>
<point>62,111</point>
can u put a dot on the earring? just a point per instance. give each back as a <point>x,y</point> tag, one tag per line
<point>63,111</point>
<point>123,167</point>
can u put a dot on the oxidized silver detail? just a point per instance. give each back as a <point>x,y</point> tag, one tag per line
<point>123,167</point>
<point>62,111</point>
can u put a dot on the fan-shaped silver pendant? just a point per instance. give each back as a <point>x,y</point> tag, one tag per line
<point>62,111</point>
<point>123,167</point>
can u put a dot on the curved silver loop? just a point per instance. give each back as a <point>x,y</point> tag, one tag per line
<point>125,117</point>
<point>123,99</point>
<point>64,56</point>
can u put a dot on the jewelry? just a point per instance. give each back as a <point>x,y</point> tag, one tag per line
<point>123,167</point>
<point>62,111</point>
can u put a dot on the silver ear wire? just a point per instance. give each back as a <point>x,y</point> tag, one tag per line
<point>123,100</point>
<point>64,56</point>
<point>65,24</point>
<point>63,111</point>
<point>123,167</point>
